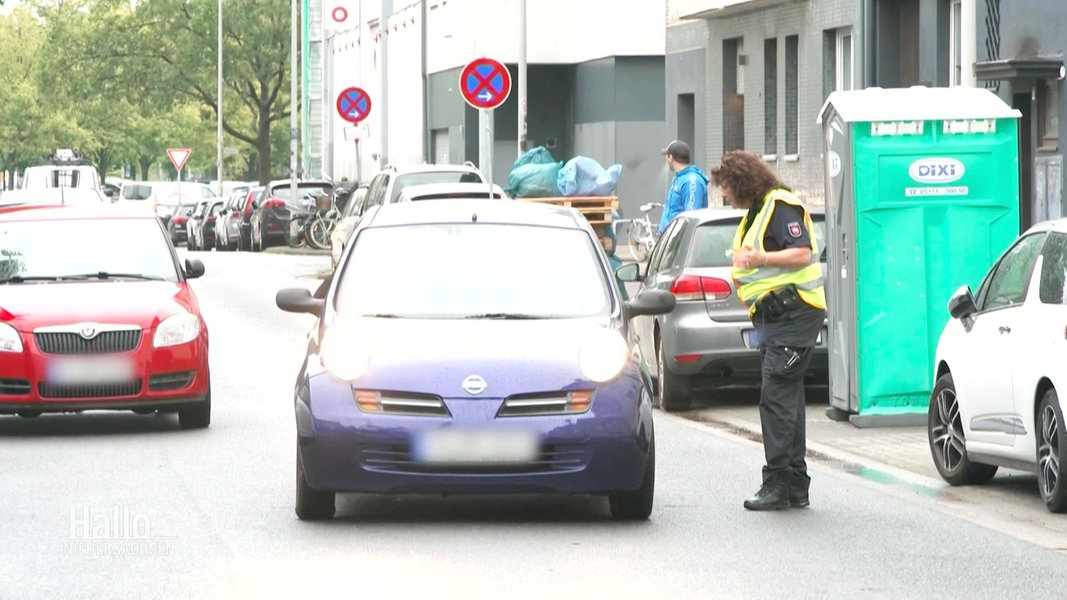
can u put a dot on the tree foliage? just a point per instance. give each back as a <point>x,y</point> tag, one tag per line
<point>122,84</point>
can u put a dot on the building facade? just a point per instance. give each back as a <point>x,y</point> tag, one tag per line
<point>594,85</point>
<point>1021,49</point>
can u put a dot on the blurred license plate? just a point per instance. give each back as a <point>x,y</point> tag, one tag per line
<point>460,446</point>
<point>90,370</point>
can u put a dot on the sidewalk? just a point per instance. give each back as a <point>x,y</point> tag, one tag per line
<point>905,448</point>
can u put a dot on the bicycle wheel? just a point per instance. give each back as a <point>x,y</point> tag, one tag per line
<point>638,234</point>
<point>319,234</point>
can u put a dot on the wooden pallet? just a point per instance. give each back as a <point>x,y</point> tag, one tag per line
<point>596,209</point>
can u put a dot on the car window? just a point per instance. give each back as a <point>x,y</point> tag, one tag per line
<point>713,243</point>
<point>674,243</point>
<point>1053,284</point>
<point>136,192</point>
<point>658,249</point>
<point>376,193</point>
<point>139,246</point>
<point>459,279</point>
<point>409,179</point>
<point>1011,276</point>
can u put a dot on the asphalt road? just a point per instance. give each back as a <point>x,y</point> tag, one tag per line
<point>116,505</point>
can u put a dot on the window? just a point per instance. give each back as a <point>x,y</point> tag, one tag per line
<point>1007,284</point>
<point>713,243</point>
<point>1052,288</point>
<point>770,96</point>
<point>845,67</point>
<point>955,46</point>
<point>792,101</point>
<point>733,95</point>
<point>661,245</point>
<point>1048,122</point>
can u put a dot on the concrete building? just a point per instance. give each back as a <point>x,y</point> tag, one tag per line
<point>1021,48</point>
<point>595,84</point>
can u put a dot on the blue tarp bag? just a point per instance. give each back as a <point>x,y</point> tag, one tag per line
<point>583,176</point>
<point>534,181</point>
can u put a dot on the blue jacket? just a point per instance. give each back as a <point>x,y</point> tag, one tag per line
<point>689,191</point>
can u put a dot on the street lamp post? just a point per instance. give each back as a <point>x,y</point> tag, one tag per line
<point>218,114</point>
<point>293,74</point>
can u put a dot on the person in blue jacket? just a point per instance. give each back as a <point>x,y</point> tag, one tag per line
<point>689,190</point>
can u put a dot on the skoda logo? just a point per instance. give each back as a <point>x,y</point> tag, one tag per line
<point>474,385</point>
<point>88,331</point>
<point>936,170</point>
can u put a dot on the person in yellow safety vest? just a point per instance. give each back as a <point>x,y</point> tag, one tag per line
<point>778,276</point>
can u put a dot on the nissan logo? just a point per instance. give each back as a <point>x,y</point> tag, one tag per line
<point>474,385</point>
<point>936,170</point>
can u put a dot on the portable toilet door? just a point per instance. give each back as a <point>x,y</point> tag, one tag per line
<point>922,195</point>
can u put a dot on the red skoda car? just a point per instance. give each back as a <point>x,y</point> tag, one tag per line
<point>96,313</point>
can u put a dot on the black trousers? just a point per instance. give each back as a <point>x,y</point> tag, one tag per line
<point>782,414</point>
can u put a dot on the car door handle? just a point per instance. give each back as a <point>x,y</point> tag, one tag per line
<point>1004,329</point>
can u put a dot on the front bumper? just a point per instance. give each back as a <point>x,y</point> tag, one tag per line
<point>598,452</point>
<point>162,379</point>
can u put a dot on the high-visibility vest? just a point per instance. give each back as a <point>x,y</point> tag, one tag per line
<point>753,283</point>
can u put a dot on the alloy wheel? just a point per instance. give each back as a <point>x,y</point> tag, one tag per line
<point>947,432</point>
<point>1048,450</point>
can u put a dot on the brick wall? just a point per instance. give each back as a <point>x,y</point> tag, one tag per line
<point>808,20</point>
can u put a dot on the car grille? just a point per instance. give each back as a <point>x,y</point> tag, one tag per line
<point>15,387</point>
<point>170,381</point>
<point>105,342</point>
<point>397,458</point>
<point>89,390</point>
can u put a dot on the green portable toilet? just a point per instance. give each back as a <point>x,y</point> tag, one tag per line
<point>922,195</point>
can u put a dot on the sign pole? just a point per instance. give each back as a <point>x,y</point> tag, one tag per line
<point>485,84</point>
<point>359,165</point>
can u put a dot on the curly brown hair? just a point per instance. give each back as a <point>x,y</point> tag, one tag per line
<point>748,176</point>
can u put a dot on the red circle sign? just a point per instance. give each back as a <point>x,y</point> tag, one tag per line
<point>485,83</point>
<point>339,14</point>
<point>353,104</point>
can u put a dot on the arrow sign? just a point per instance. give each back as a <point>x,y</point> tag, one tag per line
<point>178,156</point>
<point>485,83</point>
<point>353,104</point>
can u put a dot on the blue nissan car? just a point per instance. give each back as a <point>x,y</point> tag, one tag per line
<point>474,346</point>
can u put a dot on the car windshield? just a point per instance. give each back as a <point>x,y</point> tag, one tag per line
<point>137,247</point>
<point>712,243</point>
<point>473,271</point>
<point>408,179</point>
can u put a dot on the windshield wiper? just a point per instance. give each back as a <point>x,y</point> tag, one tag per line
<point>504,315</point>
<point>110,275</point>
<point>23,279</point>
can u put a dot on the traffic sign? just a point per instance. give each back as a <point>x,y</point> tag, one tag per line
<point>485,83</point>
<point>178,156</point>
<point>353,104</point>
<point>338,13</point>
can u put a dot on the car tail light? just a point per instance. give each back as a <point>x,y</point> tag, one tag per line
<point>235,214</point>
<point>248,208</point>
<point>274,203</point>
<point>178,220</point>
<point>693,287</point>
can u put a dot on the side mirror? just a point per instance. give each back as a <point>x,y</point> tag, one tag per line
<point>193,268</point>
<point>961,304</point>
<point>299,300</point>
<point>628,272</point>
<point>649,302</point>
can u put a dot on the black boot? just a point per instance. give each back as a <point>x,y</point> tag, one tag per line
<point>798,490</point>
<point>772,495</point>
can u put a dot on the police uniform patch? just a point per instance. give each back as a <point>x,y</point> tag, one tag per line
<point>794,229</point>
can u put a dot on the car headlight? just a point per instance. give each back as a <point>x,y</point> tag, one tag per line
<point>603,355</point>
<point>10,340</point>
<point>178,329</point>
<point>345,354</point>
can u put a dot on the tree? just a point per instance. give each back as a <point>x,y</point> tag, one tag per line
<point>175,43</point>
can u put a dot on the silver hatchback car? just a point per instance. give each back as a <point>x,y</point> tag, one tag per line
<point>703,345</point>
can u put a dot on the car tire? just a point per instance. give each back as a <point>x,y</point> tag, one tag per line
<point>1051,475</point>
<point>311,504</point>
<point>944,427</point>
<point>637,505</point>
<point>196,416</point>
<point>671,392</point>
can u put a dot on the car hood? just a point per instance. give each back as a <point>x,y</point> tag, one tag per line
<point>436,356</point>
<point>29,305</point>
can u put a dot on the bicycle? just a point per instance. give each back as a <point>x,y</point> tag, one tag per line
<point>642,235</point>
<point>318,227</point>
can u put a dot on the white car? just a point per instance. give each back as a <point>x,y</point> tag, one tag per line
<point>1001,361</point>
